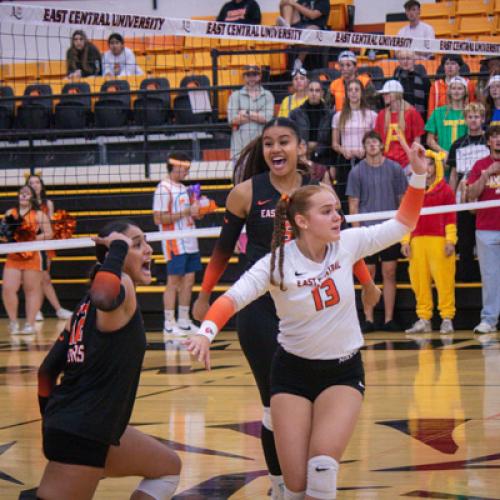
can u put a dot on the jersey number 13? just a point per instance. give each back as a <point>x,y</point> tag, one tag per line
<point>325,295</point>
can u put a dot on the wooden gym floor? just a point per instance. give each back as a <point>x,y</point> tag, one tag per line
<point>430,425</point>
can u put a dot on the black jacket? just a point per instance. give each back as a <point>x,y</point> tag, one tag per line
<point>245,12</point>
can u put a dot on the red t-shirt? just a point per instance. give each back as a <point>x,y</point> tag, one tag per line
<point>487,219</point>
<point>414,127</point>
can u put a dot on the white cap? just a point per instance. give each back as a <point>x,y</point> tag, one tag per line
<point>458,79</point>
<point>392,86</point>
<point>492,80</point>
<point>347,55</point>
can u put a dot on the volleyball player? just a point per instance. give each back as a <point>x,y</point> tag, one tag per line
<point>47,207</point>
<point>86,435</point>
<point>317,378</point>
<point>270,169</point>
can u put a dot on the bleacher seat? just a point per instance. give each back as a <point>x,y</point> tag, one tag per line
<point>112,109</point>
<point>473,8</point>
<point>73,109</point>
<point>477,25</point>
<point>153,109</point>
<point>35,113</point>
<point>376,74</point>
<point>444,28</point>
<point>183,112</point>
<point>437,10</point>
<point>7,108</point>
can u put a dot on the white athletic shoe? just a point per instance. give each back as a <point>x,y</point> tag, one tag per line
<point>27,330</point>
<point>420,326</point>
<point>169,327</point>
<point>63,313</point>
<point>39,316</point>
<point>484,327</point>
<point>14,327</point>
<point>446,326</point>
<point>281,21</point>
<point>186,327</point>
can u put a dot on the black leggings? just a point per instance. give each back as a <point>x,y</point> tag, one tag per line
<point>258,327</point>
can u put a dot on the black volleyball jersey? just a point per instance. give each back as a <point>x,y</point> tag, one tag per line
<point>96,395</point>
<point>260,220</point>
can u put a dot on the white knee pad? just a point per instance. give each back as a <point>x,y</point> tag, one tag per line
<point>322,477</point>
<point>161,488</point>
<point>293,495</point>
<point>267,421</point>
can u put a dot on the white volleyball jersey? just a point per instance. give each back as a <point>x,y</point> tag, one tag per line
<point>173,197</point>
<point>317,311</point>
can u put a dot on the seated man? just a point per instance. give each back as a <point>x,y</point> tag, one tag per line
<point>303,14</point>
<point>240,12</point>
<point>416,28</point>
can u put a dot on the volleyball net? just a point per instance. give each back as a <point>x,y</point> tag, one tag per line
<point>100,141</point>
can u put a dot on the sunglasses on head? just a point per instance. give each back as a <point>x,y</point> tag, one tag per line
<point>299,71</point>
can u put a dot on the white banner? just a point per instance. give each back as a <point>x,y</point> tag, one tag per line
<point>148,25</point>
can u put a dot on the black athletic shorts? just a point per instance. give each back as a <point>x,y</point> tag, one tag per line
<point>386,255</point>
<point>310,377</point>
<point>59,446</point>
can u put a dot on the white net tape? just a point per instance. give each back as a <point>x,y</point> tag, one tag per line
<point>30,246</point>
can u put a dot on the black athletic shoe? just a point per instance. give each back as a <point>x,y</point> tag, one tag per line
<point>368,327</point>
<point>391,326</point>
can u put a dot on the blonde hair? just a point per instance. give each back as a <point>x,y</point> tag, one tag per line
<point>405,106</point>
<point>475,107</point>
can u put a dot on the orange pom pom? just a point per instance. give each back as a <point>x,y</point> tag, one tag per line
<point>63,225</point>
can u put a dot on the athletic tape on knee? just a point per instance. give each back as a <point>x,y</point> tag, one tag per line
<point>294,495</point>
<point>161,488</point>
<point>322,477</point>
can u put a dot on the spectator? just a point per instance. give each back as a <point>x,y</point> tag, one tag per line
<point>348,129</point>
<point>492,117</point>
<point>399,124</point>
<point>452,65</point>
<point>348,72</point>
<point>490,66</point>
<point>119,60</point>
<point>314,119</point>
<point>303,14</point>
<point>484,184</point>
<point>240,12</point>
<point>83,57</point>
<point>430,249</point>
<point>464,152</point>
<point>447,123</point>
<point>415,82</point>
<point>248,110</point>
<point>174,210</point>
<point>378,183</point>
<point>25,267</point>
<point>416,28</point>
<point>300,82</point>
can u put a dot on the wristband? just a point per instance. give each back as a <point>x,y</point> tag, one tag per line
<point>115,257</point>
<point>208,329</point>
<point>418,180</point>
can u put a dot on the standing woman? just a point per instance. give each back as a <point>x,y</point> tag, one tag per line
<point>83,57</point>
<point>348,128</point>
<point>25,267</point>
<point>317,378</point>
<point>270,171</point>
<point>47,207</point>
<point>493,102</point>
<point>85,417</point>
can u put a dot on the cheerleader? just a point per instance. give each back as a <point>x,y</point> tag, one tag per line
<point>24,222</point>
<point>317,376</point>
<point>47,207</point>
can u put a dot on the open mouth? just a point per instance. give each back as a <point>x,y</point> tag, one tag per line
<point>146,266</point>
<point>278,161</point>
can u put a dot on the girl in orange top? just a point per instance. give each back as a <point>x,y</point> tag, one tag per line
<point>47,207</point>
<point>26,267</point>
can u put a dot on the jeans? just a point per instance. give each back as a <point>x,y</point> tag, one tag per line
<point>488,252</point>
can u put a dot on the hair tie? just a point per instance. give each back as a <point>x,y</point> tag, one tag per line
<point>285,198</point>
<point>28,174</point>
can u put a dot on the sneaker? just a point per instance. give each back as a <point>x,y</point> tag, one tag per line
<point>422,326</point>
<point>63,313</point>
<point>39,316</point>
<point>446,326</point>
<point>187,327</point>
<point>27,330</point>
<point>281,21</point>
<point>13,327</point>
<point>169,327</point>
<point>391,326</point>
<point>368,327</point>
<point>484,327</point>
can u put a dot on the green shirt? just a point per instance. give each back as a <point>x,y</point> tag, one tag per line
<point>447,124</point>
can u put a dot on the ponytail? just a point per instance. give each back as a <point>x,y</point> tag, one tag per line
<point>278,239</point>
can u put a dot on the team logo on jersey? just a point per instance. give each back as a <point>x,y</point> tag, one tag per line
<point>263,202</point>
